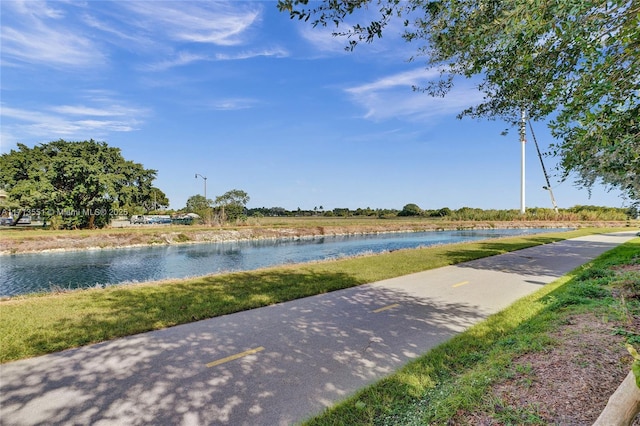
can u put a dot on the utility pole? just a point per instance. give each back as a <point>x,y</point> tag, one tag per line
<point>523,140</point>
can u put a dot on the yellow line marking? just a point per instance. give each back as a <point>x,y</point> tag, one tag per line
<point>236,356</point>
<point>395,305</point>
<point>460,284</point>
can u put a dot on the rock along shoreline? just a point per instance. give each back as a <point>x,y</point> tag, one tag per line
<point>170,236</point>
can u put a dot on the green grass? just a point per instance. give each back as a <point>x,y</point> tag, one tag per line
<point>39,324</point>
<point>456,375</point>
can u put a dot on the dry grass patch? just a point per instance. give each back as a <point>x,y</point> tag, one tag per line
<point>568,384</point>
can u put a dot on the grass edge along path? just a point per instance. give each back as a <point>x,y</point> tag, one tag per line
<point>456,376</point>
<point>45,323</point>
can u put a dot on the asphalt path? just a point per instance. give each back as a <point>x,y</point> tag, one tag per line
<point>280,364</point>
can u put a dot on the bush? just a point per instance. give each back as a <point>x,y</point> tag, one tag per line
<point>410,210</point>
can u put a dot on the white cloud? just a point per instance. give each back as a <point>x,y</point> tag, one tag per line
<point>43,44</point>
<point>108,111</point>
<point>390,45</point>
<point>393,97</point>
<point>121,34</point>
<point>220,23</point>
<point>276,52</point>
<point>187,58</point>
<point>323,40</point>
<point>181,59</point>
<point>38,8</point>
<point>405,79</point>
<point>64,121</point>
<point>63,35</point>
<point>232,104</point>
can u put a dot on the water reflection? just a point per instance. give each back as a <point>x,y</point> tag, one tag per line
<point>28,273</point>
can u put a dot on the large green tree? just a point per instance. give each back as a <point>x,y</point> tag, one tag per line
<point>232,204</point>
<point>198,204</point>
<point>573,62</point>
<point>81,182</point>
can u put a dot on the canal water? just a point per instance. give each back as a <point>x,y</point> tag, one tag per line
<point>42,272</point>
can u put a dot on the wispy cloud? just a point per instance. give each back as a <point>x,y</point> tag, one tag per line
<point>275,52</point>
<point>105,111</point>
<point>111,29</point>
<point>409,79</point>
<point>63,35</point>
<point>219,23</point>
<point>180,59</point>
<point>187,58</point>
<point>390,45</point>
<point>64,121</point>
<point>393,96</point>
<point>233,104</point>
<point>323,40</point>
<point>37,34</point>
<point>38,8</point>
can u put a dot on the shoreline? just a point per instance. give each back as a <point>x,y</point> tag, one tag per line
<point>149,237</point>
<point>116,251</point>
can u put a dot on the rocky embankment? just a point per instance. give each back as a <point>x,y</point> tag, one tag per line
<point>28,241</point>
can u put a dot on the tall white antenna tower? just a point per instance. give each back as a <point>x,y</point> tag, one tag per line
<point>523,140</point>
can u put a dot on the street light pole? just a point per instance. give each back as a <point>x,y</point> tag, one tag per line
<point>205,185</point>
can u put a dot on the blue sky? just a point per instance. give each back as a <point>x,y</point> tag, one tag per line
<point>241,94</point>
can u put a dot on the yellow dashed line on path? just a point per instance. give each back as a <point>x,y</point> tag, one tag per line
<point>395,305</point>
<point>460,284</point>
<point>236,356</point>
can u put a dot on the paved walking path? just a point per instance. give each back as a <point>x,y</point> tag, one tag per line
<point>280,364</point>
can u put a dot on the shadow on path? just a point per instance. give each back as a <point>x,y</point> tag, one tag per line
<point>316,351</point>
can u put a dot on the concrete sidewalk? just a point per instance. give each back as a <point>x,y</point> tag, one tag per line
<point>280,364</point>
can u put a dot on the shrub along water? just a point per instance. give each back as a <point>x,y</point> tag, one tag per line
<point>574,214</point>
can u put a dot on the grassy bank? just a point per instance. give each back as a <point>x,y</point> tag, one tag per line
<point>40,324</point>
<point>453,383</point>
